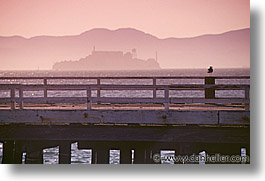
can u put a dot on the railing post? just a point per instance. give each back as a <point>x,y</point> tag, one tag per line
<point>154,90</point>
<point>247,93</point>
<point>21,98</point>
<point>98,90</point>
<point>209,92</point>
<point>13,95</point>
<point>166,104</point>
<point>44,81</point>
<point>89,101</point>
<point>45,93</point>
<point>45,89</point>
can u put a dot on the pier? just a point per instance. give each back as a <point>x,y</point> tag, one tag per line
<point>146,124</point>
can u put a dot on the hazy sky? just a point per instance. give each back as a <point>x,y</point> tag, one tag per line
<point>162,18</point>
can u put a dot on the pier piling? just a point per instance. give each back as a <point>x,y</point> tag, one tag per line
<point>8,152</point>
<point>125,155</point>
<point>65,152</point>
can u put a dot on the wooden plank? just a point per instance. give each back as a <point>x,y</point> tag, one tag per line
<point>109,116</point>
<point>82,100</point>
<point>128,100</point>
<point>234,117</point>
<point>202,100</point>
<point>180,134</point>
<point>121,87</point>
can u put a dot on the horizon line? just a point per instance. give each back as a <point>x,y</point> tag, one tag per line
<point>207,34</point>
<point>125,69</point>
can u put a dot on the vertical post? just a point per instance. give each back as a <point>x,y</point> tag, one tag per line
<point>45,89</point>
<point>125,155</point>
<point>45,81</point>
<point>100,155</point>
<point>13,95</point>
<point>18,158</point>
<point>45,93</point>
<point>65,152</point>
<point>149,156</point>
<point>89,101</point>
<point>154,90</point>
<point>8,152</point>
<point>247,93</point>
<point>18,152</point>
<point>187,149</point>
<point>140,155</point>
<point>21,98</point>
<point>209,92</point>
<point>98,90</point>
<point>179,152</point>
<point>166,104</point>
<point>94,156</point>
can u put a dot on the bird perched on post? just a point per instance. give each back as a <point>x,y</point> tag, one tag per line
<point>210,70</point>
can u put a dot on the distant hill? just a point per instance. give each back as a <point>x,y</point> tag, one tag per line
<point>230,49</point>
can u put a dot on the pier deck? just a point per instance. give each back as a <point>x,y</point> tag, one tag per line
<point>143,124</point>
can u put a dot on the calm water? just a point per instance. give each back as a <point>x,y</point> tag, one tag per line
<point>84,156</point>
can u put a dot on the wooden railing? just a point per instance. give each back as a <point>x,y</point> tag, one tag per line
<point>209,87</point>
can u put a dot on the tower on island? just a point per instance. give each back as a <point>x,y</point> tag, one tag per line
<point>134,54</point>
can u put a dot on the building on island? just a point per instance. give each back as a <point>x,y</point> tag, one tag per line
<point>108,60</point>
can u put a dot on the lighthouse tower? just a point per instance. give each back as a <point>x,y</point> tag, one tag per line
<point>134,54</point>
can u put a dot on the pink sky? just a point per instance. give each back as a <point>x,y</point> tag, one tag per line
<point>162,18</point>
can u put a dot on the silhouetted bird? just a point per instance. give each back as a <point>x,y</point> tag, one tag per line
<point>210,70</point>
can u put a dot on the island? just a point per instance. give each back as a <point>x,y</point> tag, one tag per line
<point>109,60</point>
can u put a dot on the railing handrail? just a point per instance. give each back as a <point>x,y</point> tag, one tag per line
<point>132,77</point>
<point>85,86</point>
<point>209,86</point>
